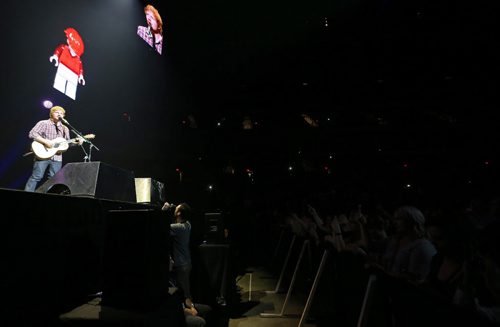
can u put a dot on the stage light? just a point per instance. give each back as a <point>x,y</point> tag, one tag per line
<point>47,104</point>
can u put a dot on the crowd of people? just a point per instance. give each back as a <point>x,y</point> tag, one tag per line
<point>433,265</point>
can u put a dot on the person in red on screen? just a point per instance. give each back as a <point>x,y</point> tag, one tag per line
<point>153,33</point>
<point>69,65</point>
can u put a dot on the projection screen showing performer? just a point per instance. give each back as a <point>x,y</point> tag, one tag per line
<point>153,33</point>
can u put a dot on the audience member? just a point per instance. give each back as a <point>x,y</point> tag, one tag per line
<point>409,253</point>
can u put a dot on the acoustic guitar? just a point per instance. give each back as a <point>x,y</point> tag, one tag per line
<point>60,145</point>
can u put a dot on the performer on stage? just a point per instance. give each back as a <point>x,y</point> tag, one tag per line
<point>44,132</point>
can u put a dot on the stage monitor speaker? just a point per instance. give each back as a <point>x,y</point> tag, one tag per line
<point>148,190</point>
<point>216,264</point>
<point>214,227</point>
<point>93,179</point>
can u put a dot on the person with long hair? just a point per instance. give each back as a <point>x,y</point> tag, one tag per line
<point>153,33</point>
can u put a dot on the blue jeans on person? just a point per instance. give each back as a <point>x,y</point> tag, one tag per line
<point>182,276</point>
<point>39,168</point>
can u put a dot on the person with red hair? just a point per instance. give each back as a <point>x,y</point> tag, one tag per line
<point>153,33</point>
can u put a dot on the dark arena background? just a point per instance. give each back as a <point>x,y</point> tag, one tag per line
<point>252,107</point>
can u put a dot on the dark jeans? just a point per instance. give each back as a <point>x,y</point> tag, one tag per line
<point>39,168</point>
<point>182,274</point>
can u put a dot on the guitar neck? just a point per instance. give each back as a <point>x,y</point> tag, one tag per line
<point>74,139</point>
<point>85,137</point>
<point>67,141</point>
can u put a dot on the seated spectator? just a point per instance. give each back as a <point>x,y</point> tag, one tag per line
<point>196,313</point>
<point>430,303</point>
<point>409,253</point>
<point>404,263</point>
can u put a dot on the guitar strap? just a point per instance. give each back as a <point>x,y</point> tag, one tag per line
<point>63,131</point>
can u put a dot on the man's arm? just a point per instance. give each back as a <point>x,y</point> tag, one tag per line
<point>44,141</point>
<point>37,132</point>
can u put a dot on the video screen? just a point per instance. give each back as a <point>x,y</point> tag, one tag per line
<point>152,34</point>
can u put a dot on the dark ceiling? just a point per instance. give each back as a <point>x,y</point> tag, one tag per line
<point>358,63</point>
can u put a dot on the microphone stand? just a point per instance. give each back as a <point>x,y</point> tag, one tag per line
<point>91,145</point>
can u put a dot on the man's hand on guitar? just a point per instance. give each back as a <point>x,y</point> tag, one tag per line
<point>79,140</point>
<point>47,143</point>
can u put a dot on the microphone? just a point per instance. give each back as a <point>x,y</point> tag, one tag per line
<point>64,120</point>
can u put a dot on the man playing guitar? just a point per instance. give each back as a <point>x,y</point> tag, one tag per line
<point>45,132</point>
